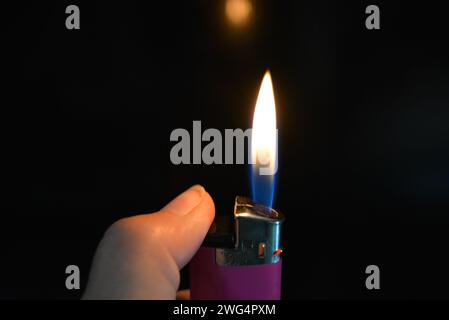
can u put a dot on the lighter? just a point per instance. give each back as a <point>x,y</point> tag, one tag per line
<point>241,256</point>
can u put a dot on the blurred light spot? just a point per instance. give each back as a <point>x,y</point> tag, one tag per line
<point>238,11</point>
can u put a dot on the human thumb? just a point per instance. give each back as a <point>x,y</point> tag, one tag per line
<point>184,223</point>
<point>140,257</point>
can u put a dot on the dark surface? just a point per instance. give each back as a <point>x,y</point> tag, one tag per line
<point>363,118</point>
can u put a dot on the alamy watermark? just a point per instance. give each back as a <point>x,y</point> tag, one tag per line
<point>189,148</point>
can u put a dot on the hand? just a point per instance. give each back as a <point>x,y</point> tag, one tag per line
<point>140,257</point>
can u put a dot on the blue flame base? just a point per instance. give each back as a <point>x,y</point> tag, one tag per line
<point>263,188</point>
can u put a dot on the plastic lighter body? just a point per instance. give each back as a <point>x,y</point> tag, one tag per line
<point>241,257</point>
<point>209,281</point>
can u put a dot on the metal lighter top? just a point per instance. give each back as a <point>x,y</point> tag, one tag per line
<point>252,238</point>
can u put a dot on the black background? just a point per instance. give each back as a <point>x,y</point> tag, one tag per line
<point>363,118</point>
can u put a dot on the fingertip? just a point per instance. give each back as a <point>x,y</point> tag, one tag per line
<point>208,207</point>
<point>202,216</point>
<point>186,201</point>
<point>193,229</point>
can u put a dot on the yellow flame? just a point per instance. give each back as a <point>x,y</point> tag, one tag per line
<point>264,135</point>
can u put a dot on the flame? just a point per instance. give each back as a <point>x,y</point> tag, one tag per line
<point>264,144</point>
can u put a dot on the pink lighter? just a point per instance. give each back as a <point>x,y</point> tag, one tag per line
<point>241,256</point>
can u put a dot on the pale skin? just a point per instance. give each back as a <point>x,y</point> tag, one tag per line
<point>140,257</point>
